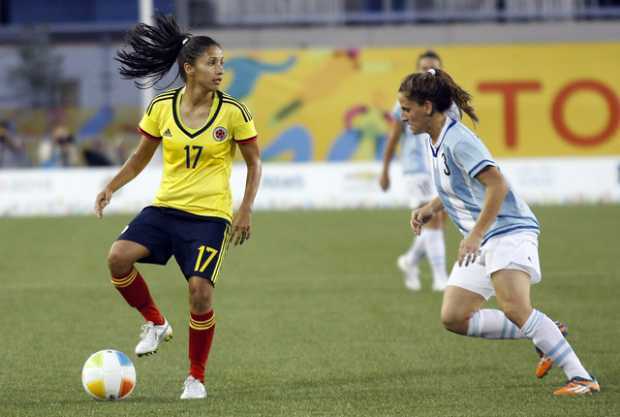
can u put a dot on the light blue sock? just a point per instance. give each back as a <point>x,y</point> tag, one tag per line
<point>549,339</point>
<point>493,324</point>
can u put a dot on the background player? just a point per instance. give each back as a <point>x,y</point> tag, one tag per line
<point>500,231</point>
<point>416,165</point>
<point>198,127</point>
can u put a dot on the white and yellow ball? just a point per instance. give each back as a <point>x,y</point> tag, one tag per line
<point>109,375</point>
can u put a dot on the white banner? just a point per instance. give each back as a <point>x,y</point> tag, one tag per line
<point>303,186</point>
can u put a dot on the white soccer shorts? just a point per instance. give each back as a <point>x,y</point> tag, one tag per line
<point>512,251</point>
<point>420,189</point>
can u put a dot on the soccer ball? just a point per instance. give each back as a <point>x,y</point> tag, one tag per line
<point>108,375</point>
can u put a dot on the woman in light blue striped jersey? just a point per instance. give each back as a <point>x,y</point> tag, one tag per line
<point>499,251</point>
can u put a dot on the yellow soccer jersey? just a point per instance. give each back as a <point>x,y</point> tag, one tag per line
<point>197,162</point>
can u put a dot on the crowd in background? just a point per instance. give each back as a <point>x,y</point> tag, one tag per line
<point>60,149</point>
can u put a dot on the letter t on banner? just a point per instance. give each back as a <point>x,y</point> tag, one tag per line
<point>510,89</point>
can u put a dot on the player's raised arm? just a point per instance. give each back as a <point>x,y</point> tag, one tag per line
<point>130,170</point>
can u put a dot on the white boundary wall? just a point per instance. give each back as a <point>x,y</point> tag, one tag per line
<point>303,186</point>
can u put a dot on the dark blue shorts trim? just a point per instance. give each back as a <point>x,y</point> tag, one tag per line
<point>198,243</point>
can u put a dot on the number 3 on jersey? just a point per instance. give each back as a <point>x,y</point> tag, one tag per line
<point>188,155</point>
<point>200,265</point>
<point>446,169</point>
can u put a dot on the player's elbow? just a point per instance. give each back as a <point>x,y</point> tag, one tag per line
<point>254,164</point>
<point>503,187</point>
<point>255,161</point>
<point>499,188</point>
<point>137,163</point>
<point>119,263</point>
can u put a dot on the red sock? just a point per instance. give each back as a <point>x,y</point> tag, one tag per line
<point>201,331</point>
<point>135,291</point>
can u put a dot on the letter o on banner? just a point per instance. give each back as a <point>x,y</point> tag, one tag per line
<point>613,107</point>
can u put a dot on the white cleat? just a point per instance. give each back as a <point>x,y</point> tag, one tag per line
<point>193,389</point>
<point>412,273</point>
<point>403,264</point>
<point>152,336</point>
<point>413,284</point>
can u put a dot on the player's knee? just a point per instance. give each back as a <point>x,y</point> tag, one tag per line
<point>200,305</point>
<point>200,298</point>
<point>516,312</point>
<point>118,262</point>
<point>454,321</point>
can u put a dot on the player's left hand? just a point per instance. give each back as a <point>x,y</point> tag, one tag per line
<point>384,181</point>
<point>102,200</point>
<point>469,249</point>
<point>241,226</point>
<point>421,216</point>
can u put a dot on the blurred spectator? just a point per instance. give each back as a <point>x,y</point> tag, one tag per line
<point>60,151</point>
<point>95,154</point>
<point>12,153</point>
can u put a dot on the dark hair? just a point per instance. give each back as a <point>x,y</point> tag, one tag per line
<point>154,49</point>
<point>429,53</point>
<point>438,88</point>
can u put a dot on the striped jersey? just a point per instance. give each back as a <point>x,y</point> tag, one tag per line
<point>197,162</point>
<point>458,156</point>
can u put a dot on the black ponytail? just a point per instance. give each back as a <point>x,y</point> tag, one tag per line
<point>440,89</point>
<point>154,50</point>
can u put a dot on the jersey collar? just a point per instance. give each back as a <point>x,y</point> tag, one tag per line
<point>192,133</point>
<point>442,135</point>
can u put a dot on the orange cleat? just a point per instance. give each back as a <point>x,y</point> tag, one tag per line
<point>544,366</point>
<point>578,386</point>
<point>546,363</point>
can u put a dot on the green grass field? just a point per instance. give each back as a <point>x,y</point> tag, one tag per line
<point>313,320</point>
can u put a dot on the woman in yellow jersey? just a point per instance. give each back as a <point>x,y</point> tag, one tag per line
<point>199,128</point>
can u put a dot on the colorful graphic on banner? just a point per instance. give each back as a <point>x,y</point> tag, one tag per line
<point>334,105</point>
